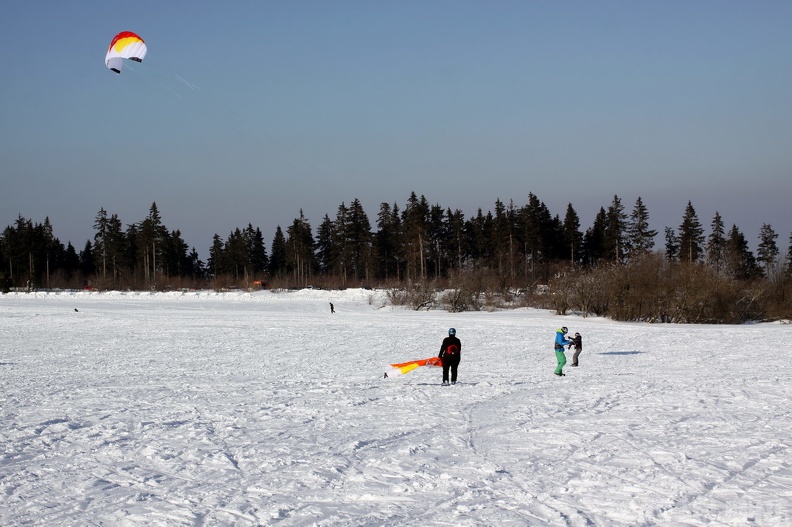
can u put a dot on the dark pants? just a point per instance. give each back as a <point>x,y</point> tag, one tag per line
<point>450,363</point>
<point>575,356</point>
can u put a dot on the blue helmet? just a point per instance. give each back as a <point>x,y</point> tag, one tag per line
<point>452,332</point>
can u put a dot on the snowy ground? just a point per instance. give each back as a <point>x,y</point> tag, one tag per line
<point>264,409</point>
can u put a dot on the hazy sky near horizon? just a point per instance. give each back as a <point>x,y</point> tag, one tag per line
<point>250,111</point>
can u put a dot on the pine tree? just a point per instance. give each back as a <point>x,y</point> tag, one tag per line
<point>257,250</point>
<point>716,244</point>
<point>767,252</point>
<point>215,261</point>
<point>789,256</point>
<point>594,240</point>
<point>87,262</point>
<point>501,242</point>
<point>438,241</point>
<point>277,261</point>
<point>359,241</point>
<point>671,244</point>
<point>573,238</point>
<point>71,262</point>
<point>151,237</point>
<point>641,238</point>
<point>235,256</point>
<point>415,232</point>
<point>197,269</point>
<point>176,261</point>
<point>540,234</point>
<point>387,240</point>
<point>100,241</point>
<point>325,250</point>
<point>691,236</point>
<point>340,264</point>
<point>476,236</point>
<point>740,261</point>
<point>616,240</point>
<point>300,250</point>
<point>457,241</point>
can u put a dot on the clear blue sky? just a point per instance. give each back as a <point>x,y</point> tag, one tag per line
<point>248,111</point>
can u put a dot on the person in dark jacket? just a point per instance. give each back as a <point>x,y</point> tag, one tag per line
<point>577,342</point>
<point>450,354</point>
<point>560,342</point>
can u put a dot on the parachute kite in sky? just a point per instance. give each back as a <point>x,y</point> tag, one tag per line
<point>125,45</point>
<point>405,367</point>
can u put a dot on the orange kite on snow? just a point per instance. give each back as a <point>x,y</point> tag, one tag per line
<point>405,367</point>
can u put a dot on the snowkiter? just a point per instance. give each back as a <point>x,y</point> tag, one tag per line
<point>450,354</point>
<point>577,342</point>
<point>560,342</point>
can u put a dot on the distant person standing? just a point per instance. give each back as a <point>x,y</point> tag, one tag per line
<point>577,342</point>
<point>560,342</point>
<point>332,308</point>
<point>450,354</point>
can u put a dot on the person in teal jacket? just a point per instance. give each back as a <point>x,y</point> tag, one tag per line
<point>560,343</point>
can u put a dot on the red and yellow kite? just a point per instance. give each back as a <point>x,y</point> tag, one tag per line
<point>405,367</point>
<point>125,46</point>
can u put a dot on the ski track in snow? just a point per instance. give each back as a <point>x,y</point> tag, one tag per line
<point>240,409</point>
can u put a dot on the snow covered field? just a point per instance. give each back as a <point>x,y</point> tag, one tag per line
<point>241,409</point>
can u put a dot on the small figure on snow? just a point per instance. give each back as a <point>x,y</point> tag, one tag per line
<point>332,308</point>
<point>560,342</point>
<point>450,354</point>
<point>577,342</point>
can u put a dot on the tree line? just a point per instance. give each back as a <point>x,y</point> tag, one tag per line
<point>417,249</point>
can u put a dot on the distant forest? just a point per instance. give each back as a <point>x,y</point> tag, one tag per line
<point>429,256</point>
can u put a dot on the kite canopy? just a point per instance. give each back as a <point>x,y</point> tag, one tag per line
<point>406,367</point>
<point>125,45</point>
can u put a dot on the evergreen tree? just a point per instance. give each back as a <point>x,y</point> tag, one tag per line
<point>415,236</point>
<point>640,238</point>
<point>691,236</point>
<point>716,244</point>
<point>340,264</point>
<point>358,241</point>
<point>277,263</point>
<point>438,241</point>
<point>300,250</point>
<point>387,241</point>
<point>740,261</point>
<point>541,235</point>
<point>197,269</point>
<point>325,250</point>
<point>151,237</point>
<point>100,241</point>
<point>236,258</point>
<point>671,244</point>
<point>457,246</point>
<point>176,261</point>
<point>594,240</point>
<point>767,252</point>
<point>789,256</point>
<point>616,241</point>
<point>71,263</point>
<point>215,262</point>
<point>259,261</point>
<point>87,263</point>
<point>573,238</point>
<point>501,241</point>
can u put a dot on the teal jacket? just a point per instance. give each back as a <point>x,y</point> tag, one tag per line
<point>561,341</point>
